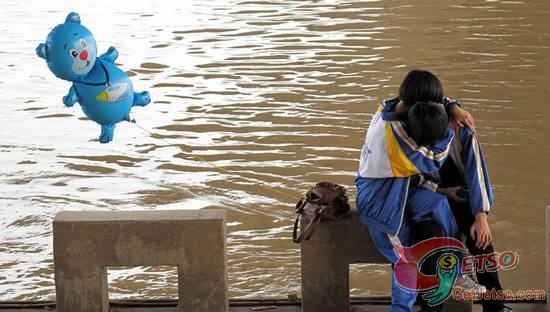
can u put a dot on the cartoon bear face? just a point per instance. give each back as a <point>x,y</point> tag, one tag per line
<point>70,49</point>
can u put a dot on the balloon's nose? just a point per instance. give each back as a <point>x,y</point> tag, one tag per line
<point>83,55</point>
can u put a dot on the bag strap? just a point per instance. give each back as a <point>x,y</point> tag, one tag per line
<point>306,234</point>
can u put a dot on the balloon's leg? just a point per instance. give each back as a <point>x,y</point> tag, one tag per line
<point>141,99</point>
<point>106,135</point>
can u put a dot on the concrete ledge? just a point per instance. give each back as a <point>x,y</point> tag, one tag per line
<point>85,243</point>
<point>358,304</point>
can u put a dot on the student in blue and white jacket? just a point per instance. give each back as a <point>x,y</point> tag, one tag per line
<point>466,168</point>
<point>464,171</point>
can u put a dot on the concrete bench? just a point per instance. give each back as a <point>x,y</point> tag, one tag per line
<point>86,243</point>
<point>326,257</point>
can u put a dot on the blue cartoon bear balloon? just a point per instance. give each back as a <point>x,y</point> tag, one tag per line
<point>104,91</point>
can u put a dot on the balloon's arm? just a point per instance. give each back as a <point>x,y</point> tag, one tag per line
<point>109,56</point>
<point>70,98</point>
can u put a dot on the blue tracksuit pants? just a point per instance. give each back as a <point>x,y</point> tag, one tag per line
<point>422,205</point>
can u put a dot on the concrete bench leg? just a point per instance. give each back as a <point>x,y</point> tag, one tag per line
<point>325,284</point>
<point>84,289</point>
<point>209,295</point>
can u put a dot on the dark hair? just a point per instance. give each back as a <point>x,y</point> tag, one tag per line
<point>427,122</point>
<point>420,86</point>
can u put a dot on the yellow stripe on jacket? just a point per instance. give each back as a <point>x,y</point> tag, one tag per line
<point>401,166</point>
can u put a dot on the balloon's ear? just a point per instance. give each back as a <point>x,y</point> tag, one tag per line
<point>73,18</point>
<point>41,51</point>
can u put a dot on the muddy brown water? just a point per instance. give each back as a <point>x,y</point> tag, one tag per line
<point>278,92</point>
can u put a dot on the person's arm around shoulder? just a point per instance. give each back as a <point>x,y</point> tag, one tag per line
<point>461,116</point>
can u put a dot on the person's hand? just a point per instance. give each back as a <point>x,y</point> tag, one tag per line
<point>463,118</point>
<point>480,231</point>
<point>450,192</point>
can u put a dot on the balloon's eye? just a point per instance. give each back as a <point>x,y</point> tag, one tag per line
<point>73,52</point>
<point>82,43</point>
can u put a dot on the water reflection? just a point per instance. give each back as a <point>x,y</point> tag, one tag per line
<point>280,94</point>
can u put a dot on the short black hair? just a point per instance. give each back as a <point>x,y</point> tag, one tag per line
<point>427,122</point>
<point>420,86</point>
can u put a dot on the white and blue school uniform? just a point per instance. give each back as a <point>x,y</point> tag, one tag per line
<point>385,200</point>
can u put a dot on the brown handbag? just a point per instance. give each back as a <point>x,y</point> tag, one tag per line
<point>326,201</point>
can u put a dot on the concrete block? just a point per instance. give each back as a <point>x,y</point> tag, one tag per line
<point>326,257</point>
<point>86,243</point>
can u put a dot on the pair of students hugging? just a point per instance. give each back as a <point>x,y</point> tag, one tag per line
<point>420,154</point>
